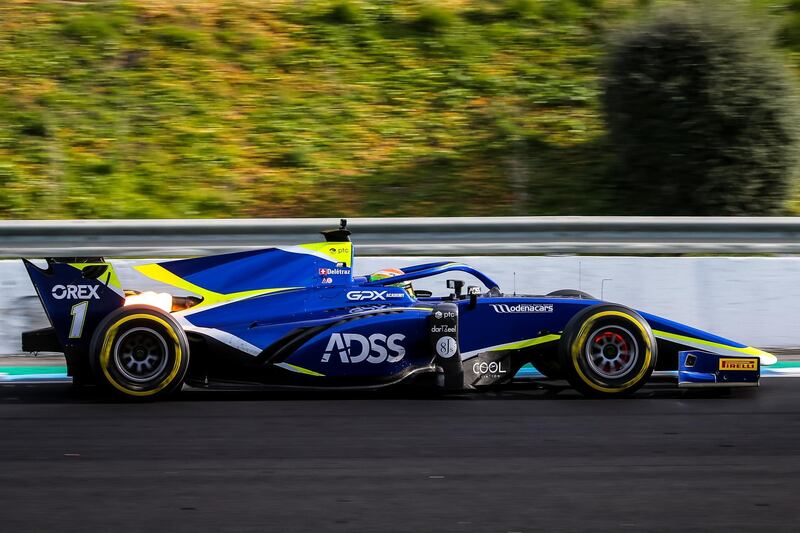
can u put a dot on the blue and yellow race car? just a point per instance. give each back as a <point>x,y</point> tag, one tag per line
<point>297,317</point>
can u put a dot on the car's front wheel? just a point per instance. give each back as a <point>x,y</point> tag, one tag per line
<point>607,350</point>
<point>140,352</point>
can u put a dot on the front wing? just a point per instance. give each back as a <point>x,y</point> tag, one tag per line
<point>698,368</point>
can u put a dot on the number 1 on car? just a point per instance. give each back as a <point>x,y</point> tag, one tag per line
<point>78,313</point>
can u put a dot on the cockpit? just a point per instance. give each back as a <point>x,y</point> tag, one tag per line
<point>395,277</point>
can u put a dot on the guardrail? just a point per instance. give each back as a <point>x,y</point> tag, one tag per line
<point>407,236</point>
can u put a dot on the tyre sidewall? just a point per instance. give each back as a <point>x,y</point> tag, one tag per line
<point>576,334</point>
<point>125,319</point>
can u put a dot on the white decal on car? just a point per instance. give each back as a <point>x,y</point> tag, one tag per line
<point>355,348</point>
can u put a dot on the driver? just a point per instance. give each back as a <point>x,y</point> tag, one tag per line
<point>389,273</point>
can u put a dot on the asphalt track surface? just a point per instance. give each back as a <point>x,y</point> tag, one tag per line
<point>517,460</point>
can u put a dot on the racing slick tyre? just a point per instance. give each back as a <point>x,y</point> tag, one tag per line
<point>139,352</point>
<point>607,350</point>
<point>572,293</point>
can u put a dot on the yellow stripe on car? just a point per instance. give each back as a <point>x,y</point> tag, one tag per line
<point>338,252</point>
<point>525,343</point>
<point>766,357</point>
<point>159,273</point>
<point>110,275</point>
<point>299,369</point>
<point>517,345</point>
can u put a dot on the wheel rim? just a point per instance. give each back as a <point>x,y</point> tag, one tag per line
<point>140,354</point>
<point>611,351</point>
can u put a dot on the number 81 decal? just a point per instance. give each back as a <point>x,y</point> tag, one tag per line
<point>78,313</point>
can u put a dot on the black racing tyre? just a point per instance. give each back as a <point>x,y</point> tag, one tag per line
<point>572,293</point>
<point>139,352</point>
<point>607,350</point>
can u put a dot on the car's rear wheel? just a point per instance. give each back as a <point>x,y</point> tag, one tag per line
<point>607,350</point>
<point>140,352</point>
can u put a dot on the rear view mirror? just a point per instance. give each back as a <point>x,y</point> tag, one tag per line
<point>456,285</point>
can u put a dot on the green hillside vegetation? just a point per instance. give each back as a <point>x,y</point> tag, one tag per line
<point>157,108</point>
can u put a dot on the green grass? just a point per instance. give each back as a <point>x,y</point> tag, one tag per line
<point>153,108</point>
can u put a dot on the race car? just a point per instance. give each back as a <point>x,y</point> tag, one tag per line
<point>297,317</point>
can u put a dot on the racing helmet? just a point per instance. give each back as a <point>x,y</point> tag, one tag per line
<point>389,273</point>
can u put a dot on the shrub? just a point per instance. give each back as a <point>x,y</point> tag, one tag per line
<point>434,19</point>
<point>562,10</point>
<point>702,116</point>
<point>294,157</point>
<point>345,12</point>
<point>522,8</point>
<point>32,124</point>
<point>179,37</point>
<point>89,28</point>
<point>789,35</point>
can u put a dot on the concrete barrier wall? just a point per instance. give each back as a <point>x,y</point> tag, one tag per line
<point>749,299</point>
<point>407,236</point>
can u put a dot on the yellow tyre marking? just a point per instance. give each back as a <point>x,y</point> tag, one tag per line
<point>105,354</point>
<point>577,350</point>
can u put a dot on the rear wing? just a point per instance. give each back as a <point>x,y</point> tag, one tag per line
<point>76,293</point>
